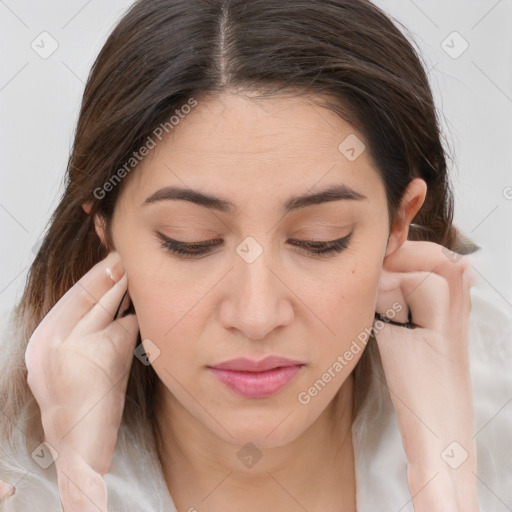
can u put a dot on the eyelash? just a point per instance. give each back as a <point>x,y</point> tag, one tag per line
<point>318,248</point>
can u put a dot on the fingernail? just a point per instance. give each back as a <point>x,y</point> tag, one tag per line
<point>115,270</point>
<point>109,273</point>
<point>115,273</point>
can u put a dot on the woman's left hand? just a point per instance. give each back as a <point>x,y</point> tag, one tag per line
<point>427,372</point>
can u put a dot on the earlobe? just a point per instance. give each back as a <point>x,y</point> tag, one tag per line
<point>412,201</point>
<point>87,207</point>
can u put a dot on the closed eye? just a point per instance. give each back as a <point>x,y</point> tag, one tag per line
<point>203,248</point>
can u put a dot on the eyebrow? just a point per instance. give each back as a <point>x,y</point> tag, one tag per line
<point>332,193</point>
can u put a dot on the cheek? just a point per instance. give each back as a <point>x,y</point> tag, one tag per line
<point>165,321</point>
<point>169,312</point>
<point>350,300</point>
<point>348,307</point>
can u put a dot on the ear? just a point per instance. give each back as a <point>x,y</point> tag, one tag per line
<point>87,207</point>
<point>412,201</point>
<point>99,222</point>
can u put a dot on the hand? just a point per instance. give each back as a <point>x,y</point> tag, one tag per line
<point>78,362</point>
<point>427,372</point>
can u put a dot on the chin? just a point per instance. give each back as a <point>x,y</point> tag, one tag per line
<point>263,431</point>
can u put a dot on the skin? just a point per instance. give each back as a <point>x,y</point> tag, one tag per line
<point>200,312</point>
<point>288,302</point>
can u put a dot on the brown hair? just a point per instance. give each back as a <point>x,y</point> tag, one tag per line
<point>162,53</point>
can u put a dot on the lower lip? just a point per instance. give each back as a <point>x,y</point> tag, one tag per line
<point>257,384</point>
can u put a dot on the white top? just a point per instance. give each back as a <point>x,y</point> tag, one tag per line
<point>135,482</point>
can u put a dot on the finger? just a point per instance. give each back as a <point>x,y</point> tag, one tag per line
<point>424,256</point>
<point>123,306</point>
<point>81,488</point>
<point>428,297</point>
<point>102,313</point>
<point>460,303</point>
<point>82,297</point>
<point>441,302</point>
<point>424,294</point>
<point>123,333</point>
<point>390,301</point>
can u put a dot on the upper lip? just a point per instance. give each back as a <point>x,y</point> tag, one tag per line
<point>248,365</point>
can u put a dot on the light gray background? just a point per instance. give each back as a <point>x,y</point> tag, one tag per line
<point>39,101</point>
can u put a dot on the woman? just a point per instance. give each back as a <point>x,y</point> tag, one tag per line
<point>256,199</point>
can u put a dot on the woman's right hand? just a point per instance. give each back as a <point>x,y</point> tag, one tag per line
<point>78,361</point>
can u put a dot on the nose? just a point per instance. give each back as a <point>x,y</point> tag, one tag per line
<point>257,299</point>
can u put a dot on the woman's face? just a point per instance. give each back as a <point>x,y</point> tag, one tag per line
<point>265,167</point>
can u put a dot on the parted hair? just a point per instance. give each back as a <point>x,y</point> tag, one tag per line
<point>163,52</point>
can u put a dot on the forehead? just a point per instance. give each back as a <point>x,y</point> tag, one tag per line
<point>247,146</point>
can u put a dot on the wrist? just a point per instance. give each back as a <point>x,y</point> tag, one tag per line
<point>441,488</point>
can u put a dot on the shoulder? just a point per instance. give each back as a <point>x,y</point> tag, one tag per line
<point>490,346</point>
<point>381,465</point>
<point>134,482</point>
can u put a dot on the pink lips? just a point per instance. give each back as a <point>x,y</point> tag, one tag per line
<point>256,379</point>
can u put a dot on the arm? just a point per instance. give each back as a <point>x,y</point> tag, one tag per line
<point>427,371</point>
<point>78,362</point>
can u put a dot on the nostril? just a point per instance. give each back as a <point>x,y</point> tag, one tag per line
<point>255,337</point>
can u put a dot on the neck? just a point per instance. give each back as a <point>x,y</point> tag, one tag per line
<point>314,472</point>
